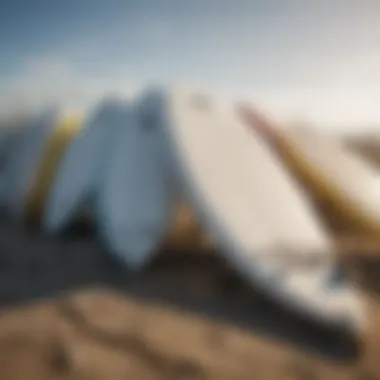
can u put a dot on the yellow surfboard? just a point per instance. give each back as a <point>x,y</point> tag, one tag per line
<point>347,185</point>
<point>185,232</point>
<point>66,129</point>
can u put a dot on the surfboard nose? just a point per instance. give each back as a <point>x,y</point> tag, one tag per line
<point>133,244</point>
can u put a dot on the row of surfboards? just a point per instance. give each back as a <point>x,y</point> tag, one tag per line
<point>128,163</point>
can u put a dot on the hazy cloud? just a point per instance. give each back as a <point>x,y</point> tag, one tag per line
<point>47,80</point>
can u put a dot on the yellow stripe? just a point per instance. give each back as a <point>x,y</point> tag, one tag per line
<point>324,190</point>
<point>66,129</point>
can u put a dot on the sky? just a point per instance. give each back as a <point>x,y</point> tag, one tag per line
<point>312,60</point>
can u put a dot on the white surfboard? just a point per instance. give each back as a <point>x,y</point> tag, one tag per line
<point>8,140</point>
<point>332,170</point>
<point>137,192</point>
<point>74,182</point>
<point>252,207</point>
<point>24,159</point>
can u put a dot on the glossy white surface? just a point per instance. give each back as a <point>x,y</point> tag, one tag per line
<point>78,172</point>
<point>252,207</point>
<point>137,195</point>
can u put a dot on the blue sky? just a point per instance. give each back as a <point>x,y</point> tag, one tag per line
<point>317,60</point>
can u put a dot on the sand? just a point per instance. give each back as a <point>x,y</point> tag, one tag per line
<point>68,312</point>
<point>188,316</point>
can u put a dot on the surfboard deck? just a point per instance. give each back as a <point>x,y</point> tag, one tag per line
<point>233,183</point>
<point>137,194</point>
<point>334,173</point>
<point>76,176</point>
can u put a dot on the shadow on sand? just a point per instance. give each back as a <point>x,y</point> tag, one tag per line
<point>34,266</point>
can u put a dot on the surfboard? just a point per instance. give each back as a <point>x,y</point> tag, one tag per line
<point>333,172</point>
<point>185,233</point>
<point>253,210</point>
<point>136,199</point>
<point>23,160</point>
<point>8,138</point>
<point>9,135</point>
<point>77,172</point>
<point>367,146</point>
<point>66,128</point>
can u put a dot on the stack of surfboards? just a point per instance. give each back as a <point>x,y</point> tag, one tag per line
<point>129,164</point>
